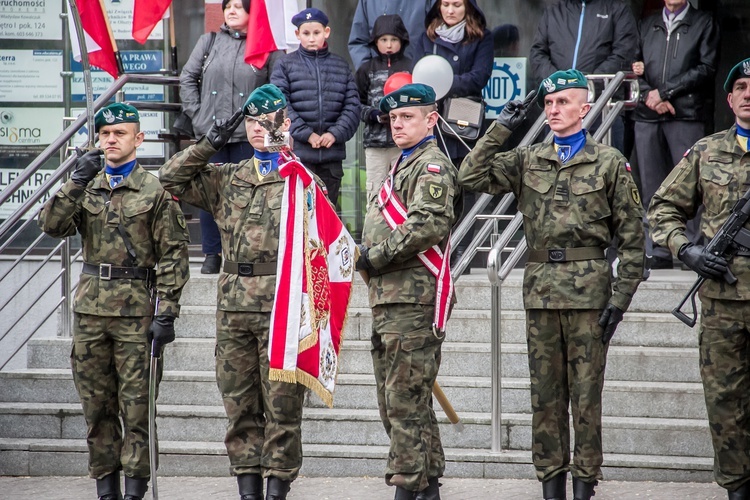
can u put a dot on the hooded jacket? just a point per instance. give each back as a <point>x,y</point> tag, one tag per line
<point>592,36</point>
<point>681,65</point>
<point>371,78</point>
<point>226,80</point>
<point>471,63</point>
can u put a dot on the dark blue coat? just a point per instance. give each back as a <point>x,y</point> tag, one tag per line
<point>472,67</point>
<point>322,97</point>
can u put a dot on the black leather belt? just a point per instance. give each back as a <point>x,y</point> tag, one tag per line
<point>110,272</point>
<point>566,254</point>
<point>248,269</point>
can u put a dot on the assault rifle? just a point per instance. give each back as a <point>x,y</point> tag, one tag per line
<point>730,239</point>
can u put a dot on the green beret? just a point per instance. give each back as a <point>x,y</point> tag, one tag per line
<point>740,70</point>
<point>560,80</point>
<point>265,99</point>
<point>411,94</point>
<point>117,112</point>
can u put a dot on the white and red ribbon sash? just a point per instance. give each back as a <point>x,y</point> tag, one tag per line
<point>314,278</point>
<point>434,259</point>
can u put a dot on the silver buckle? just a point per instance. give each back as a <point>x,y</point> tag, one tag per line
<point>105,275</point>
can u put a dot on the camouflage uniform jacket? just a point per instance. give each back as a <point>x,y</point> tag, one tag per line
<point>155,226</point>
<point>247,209</point>
<point>428,197</point>
<point>715,173</point>
<point>582,203</point>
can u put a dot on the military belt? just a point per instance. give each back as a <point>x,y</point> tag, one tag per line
<point>110,272</point>
<point>392,268</point>
<point>248,269</point>
<point>566,254</point>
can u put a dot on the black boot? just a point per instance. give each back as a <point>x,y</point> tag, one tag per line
<point>432,492</point>
<point>212,264</point>
<point>583,490</point>
<point>403,494</point>
<point>135,488</point>
<point>108,487</point>
<point>555,487</point>
<point>276,489</point>
<point>743,493</point>
<point>251,486</point>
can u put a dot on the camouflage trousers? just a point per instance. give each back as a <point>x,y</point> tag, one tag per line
<point>566,364</point>
<point>263,435</point>
<point>725,371</point>
<point>110,361</point>
<point>406,359</point>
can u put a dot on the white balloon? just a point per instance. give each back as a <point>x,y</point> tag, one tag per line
<point>435,71</point>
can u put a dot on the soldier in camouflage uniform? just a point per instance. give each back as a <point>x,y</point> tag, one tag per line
<point>134,242</point>
<point>575,195</point>
<point>263,438</point>
<point>715,172</point>
<point>405,344</point>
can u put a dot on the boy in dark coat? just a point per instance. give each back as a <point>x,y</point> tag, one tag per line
<point>322,97</point>
<point>389,39</point>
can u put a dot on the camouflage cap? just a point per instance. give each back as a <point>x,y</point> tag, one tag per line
<point>560,80</point>
<point>411,94</point>
<point>740,70</point>
<point>265,99</point>
<point>117,112</point>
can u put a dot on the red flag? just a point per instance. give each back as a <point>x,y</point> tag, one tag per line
<point>98,42</point>
<point>146,15</point>
<point>269,30</point>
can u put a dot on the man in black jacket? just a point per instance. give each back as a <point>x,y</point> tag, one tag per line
<point>677,59</point>
<point>592,36</point>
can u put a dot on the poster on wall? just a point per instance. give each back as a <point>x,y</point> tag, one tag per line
<point>27,130</point>
<point>134,61</point>
<point>120,14</point>
<point>507,83</point>
<point>31,19</point>
<point>31,76</point>
<point>19,197</point>
<point>151,124</point>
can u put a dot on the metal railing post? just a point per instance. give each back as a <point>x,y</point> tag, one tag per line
<point>66,310</point>
<point>496,349</point>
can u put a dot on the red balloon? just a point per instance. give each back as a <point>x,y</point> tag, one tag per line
<point>396,81</point>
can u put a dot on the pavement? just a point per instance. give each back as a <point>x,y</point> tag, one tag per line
<point>353,488</point>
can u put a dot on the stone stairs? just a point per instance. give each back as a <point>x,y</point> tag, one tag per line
<point>654,424</point>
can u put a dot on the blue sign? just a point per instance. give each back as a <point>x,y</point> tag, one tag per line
<point>133,61</point>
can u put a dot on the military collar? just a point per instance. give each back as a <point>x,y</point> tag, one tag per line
<point>246,173</point>
<point>588,154</point>
<point>729,144</point>
<point>133,181</point>
<point>415,152</point>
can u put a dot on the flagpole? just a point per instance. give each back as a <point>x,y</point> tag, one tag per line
<point>88,85</point>
<point>118,59</point>
<point>172,41</point>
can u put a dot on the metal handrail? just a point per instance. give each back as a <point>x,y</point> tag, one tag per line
<point>9,232</point>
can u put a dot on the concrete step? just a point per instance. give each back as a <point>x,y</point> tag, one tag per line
<point>660,293</point>
<point>469,359</point>
<point>68,457</point>
<point>357,391</point>
<point>679,437</point>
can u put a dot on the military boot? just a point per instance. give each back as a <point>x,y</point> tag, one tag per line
<point>432,492</point>
<point>743,493</point>
<point>403,494</point>
<point>276,489</point>
<point>135,488</point>
<point>108,487</point>
<point>555,487</point>
<point>251,486</point>
<point>583,490</point>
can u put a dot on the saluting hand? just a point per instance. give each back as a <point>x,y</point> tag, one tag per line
<point>222,130</point>
<point>514,112</point>
<point>87,166</point>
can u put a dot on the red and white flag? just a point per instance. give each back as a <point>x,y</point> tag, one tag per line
<point>96,31</point>
<point>270,28</point>
<point>146,15</point>
<point>314,278</point>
